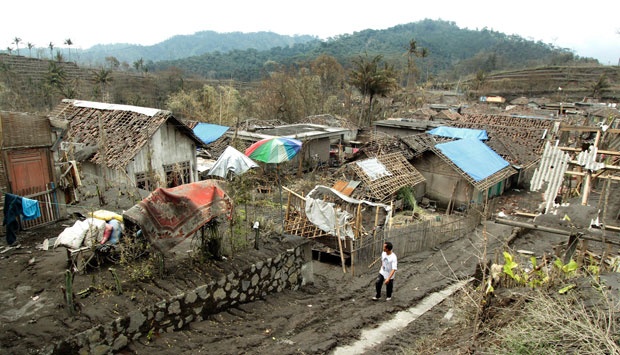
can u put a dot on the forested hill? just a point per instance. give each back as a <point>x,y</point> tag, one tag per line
<point>183,46</point>
<point>451,52</point>
<point>442,52</point>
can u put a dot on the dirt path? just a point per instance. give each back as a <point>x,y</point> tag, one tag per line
<point>333,311</point>
<point>317,319</point>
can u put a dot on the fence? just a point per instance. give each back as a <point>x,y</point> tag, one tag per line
<point>48,203</point>
<point>370,234</point>
<point>416,237</point>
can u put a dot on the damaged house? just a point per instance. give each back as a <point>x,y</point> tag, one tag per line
<point>137,146</point>
<point>26,167</point>
<point>318,140</point>
<point>520,140</point>
<point>377,178</point>
<point>347,216</point>
<point>458,167</point>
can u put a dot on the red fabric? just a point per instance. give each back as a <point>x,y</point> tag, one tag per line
<point>106,233</point>
<point>167,216</point>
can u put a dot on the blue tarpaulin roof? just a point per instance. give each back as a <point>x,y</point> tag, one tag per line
<point>461,133</point>
<point>475,158</point>
<point>208,132</point>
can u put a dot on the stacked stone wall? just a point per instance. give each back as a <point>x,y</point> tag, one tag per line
<point>290,269</point>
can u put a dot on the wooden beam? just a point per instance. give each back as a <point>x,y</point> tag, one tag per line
<point>587,129</point>
<point>612,228</point>
<point>554,230</point>
<point>533,226</point>
<point>525,214</point>
<point>294,193</point>
<point>573,149</point>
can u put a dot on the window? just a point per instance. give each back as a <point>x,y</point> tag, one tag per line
<point>177,174</point>
<point>143,182</point>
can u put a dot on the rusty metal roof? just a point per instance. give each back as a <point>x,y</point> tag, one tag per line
<point>126,128</point>
<point>345,187</point>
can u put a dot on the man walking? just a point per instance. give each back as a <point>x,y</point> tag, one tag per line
<point>389,264</point>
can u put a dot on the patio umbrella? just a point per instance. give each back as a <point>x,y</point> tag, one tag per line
<point>273,151</point>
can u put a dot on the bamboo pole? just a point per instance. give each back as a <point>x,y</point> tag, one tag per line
<point>344,267</point>
<point>586,185</point>
<point>358,227</point>
<point>294,193</point>
<point>374,262</point>
<point>374,232</point>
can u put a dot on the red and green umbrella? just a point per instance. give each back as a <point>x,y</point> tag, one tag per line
<point>274,150</point>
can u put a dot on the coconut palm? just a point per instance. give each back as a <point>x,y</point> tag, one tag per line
<point>17,41</point>
<point>372,80</point>
<point>102,77</point>
<point>51,47</point>
<point>69,43</point>
<point>30,46</point>
<point>412,52</point>
<point>423,54</point>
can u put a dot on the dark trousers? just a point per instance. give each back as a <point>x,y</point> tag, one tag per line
<point>12,210</point>
<point>388,288</point>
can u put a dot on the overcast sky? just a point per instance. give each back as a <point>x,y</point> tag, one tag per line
<point>590,29</point>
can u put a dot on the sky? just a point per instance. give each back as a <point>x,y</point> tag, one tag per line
<point>588,29</point>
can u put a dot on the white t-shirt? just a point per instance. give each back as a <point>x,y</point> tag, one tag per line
<point>388,263</point>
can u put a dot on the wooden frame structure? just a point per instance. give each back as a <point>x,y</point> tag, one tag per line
<point>581,159</point>
<point>364,224</point>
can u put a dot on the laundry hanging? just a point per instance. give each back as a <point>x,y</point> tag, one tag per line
<point>17,206</point>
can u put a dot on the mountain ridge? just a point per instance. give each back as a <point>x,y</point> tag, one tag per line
<point>242,56</point>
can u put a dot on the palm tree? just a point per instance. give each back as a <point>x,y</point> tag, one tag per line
<point>423,54</point>
<point>30,46</point>
<point>412,52</point>
<point>102,77</point>
<point>51,47</point>
<point>17,40</point>
<point>600,86</point>
<point>9,49</point>
<point>69,43</point>
<point>59,57</point>
<point>372,80</point>
<point>139,64</point>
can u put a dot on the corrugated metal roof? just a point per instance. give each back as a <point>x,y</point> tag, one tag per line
<point>472,156</point>
<point>208,132</point>
<point>553,166</point>
<point>344,187</point>
<point>454,132</point>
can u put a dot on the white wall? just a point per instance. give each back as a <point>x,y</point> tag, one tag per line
<point>167,146</point>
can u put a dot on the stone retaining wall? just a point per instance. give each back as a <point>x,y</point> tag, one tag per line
<point>288,269</point>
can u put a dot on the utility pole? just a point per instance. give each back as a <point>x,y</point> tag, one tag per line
<point>102,165</point>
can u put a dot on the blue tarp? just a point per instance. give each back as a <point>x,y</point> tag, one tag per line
<point>461,133</point>
<point>208,132</point>
<point>475,158</point>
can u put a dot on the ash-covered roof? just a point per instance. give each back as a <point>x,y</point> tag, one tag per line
<point>381,176</point>
<point>125,129</point>
<point>520,140</point>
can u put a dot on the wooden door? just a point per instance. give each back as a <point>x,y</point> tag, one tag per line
<point>28,169</point>
<point>29,176</point>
